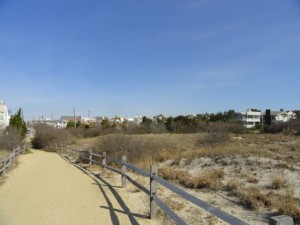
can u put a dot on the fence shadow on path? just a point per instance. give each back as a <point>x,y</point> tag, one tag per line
<point>114,217</point>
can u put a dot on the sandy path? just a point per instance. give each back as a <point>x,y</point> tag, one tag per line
<point>45,189</point>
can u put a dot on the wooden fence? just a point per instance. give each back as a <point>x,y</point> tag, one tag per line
<point>6,162</point>
<point>155,201</point>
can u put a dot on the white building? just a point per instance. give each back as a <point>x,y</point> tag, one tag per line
<point>250,118</point>
<point>4,116</point>
<point>279,116</point>
<point>138,119</point>
<point>283,117</point>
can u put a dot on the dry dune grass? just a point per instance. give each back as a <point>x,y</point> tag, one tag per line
<point>249,167</point>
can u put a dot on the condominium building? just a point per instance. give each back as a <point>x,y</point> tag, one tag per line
<point>250,118</point>
<point>4,116</point>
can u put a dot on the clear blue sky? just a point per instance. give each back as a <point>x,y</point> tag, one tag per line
<point>141,57</point>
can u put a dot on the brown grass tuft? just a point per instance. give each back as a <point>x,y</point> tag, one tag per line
<point>254,199</point>
<point>210,179</point>
<point>287,205</point>
<point>169,173</point>
<point>278,182</point>
<point>252,179</point>
<point>175,204</point>
<point>234,185</point>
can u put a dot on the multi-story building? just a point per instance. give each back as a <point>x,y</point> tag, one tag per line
<point>250,118</point>
<point>4,116</point>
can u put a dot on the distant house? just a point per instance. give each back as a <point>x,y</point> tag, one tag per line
<point>275,117</point>
<point>138,119</point>
<point>250,118</point>
<point>4,116</point>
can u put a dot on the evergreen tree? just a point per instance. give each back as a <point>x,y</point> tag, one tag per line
<point>18,122</point>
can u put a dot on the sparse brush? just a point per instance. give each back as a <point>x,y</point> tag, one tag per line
<point>254,199</point>
<point>46,137</point>
<point>210,179</point>
<point>211,219</point>
<point>287,205</point>
<point>282,165</point>
<point>213,138</point>
<point>252,179</point>
<point>169,173</point>
<point>278,182</point>
<point>174,204</point>
<point>10,139</point>
<point>234,185</point>
<point>141,150</point>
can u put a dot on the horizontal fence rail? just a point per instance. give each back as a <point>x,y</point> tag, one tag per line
<point>6,162</point>
<point>155,201</point>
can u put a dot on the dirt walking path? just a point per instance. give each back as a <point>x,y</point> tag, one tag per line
<point>46,190</point>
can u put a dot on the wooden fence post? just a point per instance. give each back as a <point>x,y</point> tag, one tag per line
<point>124,160</point>
<point>4,164</point>
<point>68,153</point>
<point>103,161</point>
<point>90,157</point>
<point>153,190</point>
<point>18,150</point>
<point>13,154</point>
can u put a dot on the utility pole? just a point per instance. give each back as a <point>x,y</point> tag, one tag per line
<point>74,117</point>
<point>262,121</point>
<point>89,114</point>
<point>52,119</point>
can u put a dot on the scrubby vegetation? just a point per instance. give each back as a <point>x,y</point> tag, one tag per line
<point>13,135</point>
<point>10,138</point>
<point>178,142</point>
<point>46,137</point>
<point>291,127</point>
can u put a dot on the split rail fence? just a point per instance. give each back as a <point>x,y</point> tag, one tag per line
<point>6,161</point>
<point>155,201</point>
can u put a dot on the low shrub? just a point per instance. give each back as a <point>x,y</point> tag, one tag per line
<point>254,199</point>
<point>287,205</point>
<point>46,137</point>
<point>274,128</point>
<point>10,138</point>
<point>213,138</point>
<point>169,173</point>
<point>292,127</point>
<point>252,179</point>
<point>86,132</point>
<point>234,185</point>
<point>140,150</point>
<point>210,179</point>
<point>278,182</point>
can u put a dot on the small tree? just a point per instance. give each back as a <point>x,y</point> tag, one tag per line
<point>70,124</point>
<point>18,122</point>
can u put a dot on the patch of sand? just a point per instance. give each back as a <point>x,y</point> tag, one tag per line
<point>45,189</point>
